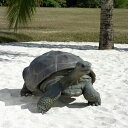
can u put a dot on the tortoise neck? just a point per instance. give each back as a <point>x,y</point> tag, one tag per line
<point>71,78</point>
<point>75,75</point>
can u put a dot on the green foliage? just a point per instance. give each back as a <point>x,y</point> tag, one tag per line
<point>88,3</point>
<point>121,3</point>
<point>20,11</point>
<point>63,3</point>
<point>53,3</point>
<point>3,3</point>
<point>71,3</point>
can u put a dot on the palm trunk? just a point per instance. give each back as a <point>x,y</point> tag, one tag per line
<point>106,25</point>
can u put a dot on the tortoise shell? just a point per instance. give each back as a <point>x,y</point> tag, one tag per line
<point>47,64</point>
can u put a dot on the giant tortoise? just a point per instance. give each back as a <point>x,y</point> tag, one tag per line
<point>57,73</point>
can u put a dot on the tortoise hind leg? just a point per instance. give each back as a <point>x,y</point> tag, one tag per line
<point>48,98</point>
<point>25,92</point>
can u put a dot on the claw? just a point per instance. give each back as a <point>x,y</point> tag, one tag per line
<point>26,94</point>
<point>99,103</point>
<point>41,110</point>
<point>94,103</point>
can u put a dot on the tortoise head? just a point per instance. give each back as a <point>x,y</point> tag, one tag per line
<point>83,67</point>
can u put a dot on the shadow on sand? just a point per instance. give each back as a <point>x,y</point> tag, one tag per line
<point>36,45</point>
<point>60,46</point>
<point>12,97</point>
<point>121,49</point>
<point>12,54</point>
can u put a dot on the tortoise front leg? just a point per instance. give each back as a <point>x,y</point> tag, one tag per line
<point>48,98</point>
<point>91,94</point>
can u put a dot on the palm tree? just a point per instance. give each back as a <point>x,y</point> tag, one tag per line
<point>106,25</point>
<point>20,11</point>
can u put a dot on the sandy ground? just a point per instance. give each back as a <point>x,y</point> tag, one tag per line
<point>110,66</point>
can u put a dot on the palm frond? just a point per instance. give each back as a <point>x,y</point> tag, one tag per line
<point>20,11</point>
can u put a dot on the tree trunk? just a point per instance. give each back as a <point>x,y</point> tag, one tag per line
<point>106,25</point>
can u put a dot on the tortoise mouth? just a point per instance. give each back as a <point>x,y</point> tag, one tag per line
<point>86,70</point>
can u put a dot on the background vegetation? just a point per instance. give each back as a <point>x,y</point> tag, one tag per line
<point>65,24</point>
<point>75,3</point>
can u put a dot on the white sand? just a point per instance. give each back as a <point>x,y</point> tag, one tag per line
<point>110,66</point>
